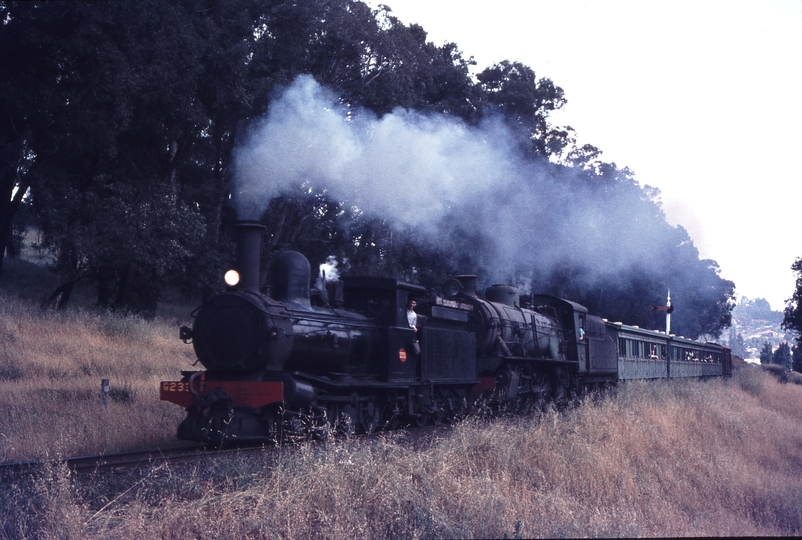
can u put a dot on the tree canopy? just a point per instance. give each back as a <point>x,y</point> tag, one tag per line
<point>793,310</point>
<point>120,119</point>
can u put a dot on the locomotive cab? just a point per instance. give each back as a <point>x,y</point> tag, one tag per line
<point>384,300</point>
<point>447,350</point>
<point>587,341</point>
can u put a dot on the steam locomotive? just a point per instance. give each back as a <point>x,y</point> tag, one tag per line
<point>343,356</point>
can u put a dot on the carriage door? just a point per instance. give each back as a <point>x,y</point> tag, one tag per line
<point>582,343</point>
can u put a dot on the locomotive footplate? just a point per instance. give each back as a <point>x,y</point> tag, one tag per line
<point>532,360</point>
<point>352,383</point>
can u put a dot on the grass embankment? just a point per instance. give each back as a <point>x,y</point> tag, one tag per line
<point>51,367</point>
<point>654,459</point>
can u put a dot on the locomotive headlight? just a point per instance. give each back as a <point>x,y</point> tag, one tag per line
<point>231,278</point>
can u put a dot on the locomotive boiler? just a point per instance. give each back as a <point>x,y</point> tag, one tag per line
<point>242,331</point>
<point>504,329</point>
<point>307,361</point>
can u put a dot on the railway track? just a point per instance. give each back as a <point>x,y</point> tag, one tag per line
<point>127,460</point>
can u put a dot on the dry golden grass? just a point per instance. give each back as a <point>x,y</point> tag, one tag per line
<point>51,367</point>
<point>679,458</point>
<point>676,458</point>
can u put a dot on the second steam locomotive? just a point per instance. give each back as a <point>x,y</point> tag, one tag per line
<point>344,356</point>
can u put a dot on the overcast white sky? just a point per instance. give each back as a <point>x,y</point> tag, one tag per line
<point>702,99</point>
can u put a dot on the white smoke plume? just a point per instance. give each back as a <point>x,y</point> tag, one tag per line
<point>329,271</point>
<point>407,167</point>
<point>416,170</point>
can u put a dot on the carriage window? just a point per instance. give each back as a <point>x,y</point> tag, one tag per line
<point>622,347</point>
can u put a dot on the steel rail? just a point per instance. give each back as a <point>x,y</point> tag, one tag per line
<point>125,460</point>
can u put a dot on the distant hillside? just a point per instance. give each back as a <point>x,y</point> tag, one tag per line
<point>753,324</point>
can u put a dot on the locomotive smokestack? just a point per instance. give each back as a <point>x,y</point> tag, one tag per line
<point>468,282</point>
<point>249,246</point>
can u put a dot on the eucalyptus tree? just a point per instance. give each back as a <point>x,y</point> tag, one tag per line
<point>119,120</point>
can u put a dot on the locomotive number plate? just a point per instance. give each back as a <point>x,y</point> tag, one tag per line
<point>175,386</point>
<point>242,393</point>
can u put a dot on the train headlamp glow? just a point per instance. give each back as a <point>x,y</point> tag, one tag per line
<point>231,278</point>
